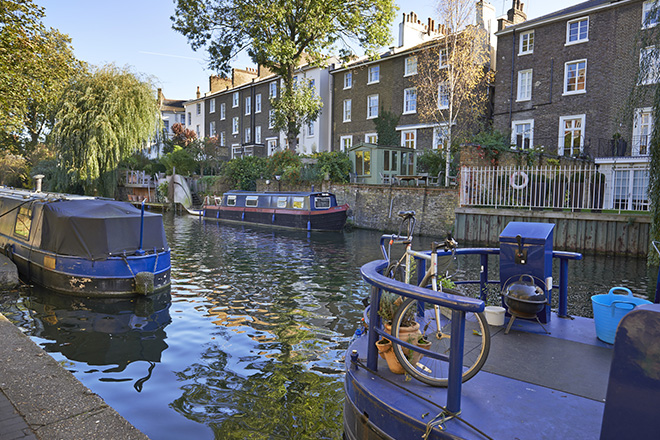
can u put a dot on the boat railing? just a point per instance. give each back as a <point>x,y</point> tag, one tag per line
<point>373,274</point>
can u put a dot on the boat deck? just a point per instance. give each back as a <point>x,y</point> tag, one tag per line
<point>533,386</point>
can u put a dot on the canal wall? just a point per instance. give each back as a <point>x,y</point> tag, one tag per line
<point>438,212</point>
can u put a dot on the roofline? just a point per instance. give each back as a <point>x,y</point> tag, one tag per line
<point>530,24</point>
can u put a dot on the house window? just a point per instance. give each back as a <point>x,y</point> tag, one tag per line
<point>166,126</point>
<point>363,163</point>
<point>410,66</point>
<point>571,135</point>
<point>348,80</point>
<point>272,90</point>
<point>257,134</point>
<point>390,161</point>
<point>234,102</point>
<point>223,111</point>
<point>649,65</point>
<point>212,106</point>
<point>183,118</point>
<point>199,108</point>
<point>234,125</point>
<point>443,96</point>
<point>440,137</point>
<point>371,138</point>
<point>577,31</point>
<point>372,106</point>
<point>199,134</point>
<point>624,181</point>
<point>212,129</point>
<point>374,74</point>
<point>345,142</point>
<point>522,134</point>
<point>271,119</point>
<point>642,129</point>
<point>257,103</point>
<point>409,138</point>
<point>271,144</point>
<point>189,118</point>
<point>347,110</point>
<point>650,16</point>
<point>525,85</point>
<point>575,77</point>
<point>410,100</point>
<point>248,135</point>
<point>444,57</point>
<point>310,129</point>
<point>223,139</point>
<point>526,43</point>
<point>248,105</point>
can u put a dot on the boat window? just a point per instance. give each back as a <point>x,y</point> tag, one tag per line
<point>281,202</point>
<point>23,222</point>
<point>322,202</point>
<point>231,200</point>
<point>251,200</point>
<point>299,202</point>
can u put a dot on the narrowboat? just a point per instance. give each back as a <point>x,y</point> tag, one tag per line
<point>311,211</point>
<point>83,246</point>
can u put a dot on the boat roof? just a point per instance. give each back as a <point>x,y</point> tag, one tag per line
<point>280,193</point>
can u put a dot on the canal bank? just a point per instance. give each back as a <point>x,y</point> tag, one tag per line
<point>39,399</point>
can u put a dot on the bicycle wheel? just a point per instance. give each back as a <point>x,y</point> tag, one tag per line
<point>434,371</point>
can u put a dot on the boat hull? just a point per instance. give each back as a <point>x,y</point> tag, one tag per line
<point>332,219</point>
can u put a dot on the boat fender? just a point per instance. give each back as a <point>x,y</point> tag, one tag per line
<point>9,251</point>
<point>144,283</point>
<point>273,219</point>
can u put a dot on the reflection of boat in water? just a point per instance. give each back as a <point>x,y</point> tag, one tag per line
<point>83,246</point>
<point>311,211</point>
<point>102,331</point>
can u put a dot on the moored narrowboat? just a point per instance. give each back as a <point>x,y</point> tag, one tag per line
<point>311,211</point>
<point>83,246</point>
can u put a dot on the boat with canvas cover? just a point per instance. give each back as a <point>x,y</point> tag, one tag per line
<point>84,246</point>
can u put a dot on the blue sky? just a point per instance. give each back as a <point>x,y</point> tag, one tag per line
<point>139,34</point>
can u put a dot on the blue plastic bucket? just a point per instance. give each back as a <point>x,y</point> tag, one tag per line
<point>609,309</point>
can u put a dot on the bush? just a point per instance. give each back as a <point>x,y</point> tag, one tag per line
<point>492,143</point>
<point>336,164</point>
<point>431,161</point>
<point>180,160</point>
<point>245,171</point>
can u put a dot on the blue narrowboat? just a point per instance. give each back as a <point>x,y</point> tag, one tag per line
<point>312,211</point>
<point>83,246</point>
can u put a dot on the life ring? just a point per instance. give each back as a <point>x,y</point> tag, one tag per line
<point>513,180</point>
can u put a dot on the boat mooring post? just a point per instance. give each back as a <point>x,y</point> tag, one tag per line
<point>140,251</point>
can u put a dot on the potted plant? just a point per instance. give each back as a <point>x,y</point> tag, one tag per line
<point>408,330</point>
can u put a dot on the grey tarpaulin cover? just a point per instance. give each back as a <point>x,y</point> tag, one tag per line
<point>97,228</point>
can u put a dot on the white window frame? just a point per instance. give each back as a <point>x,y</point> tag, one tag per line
<point>271,119</point>
<point>409,142</point>
<point>443,58</point>
<point>310,129</point>
<point>197,131</point>
<point>371,138</point>
<point>410,100</point>
<point>234,99</point>
<point>223,138</point>
<point>524,85</point>
<point>257,103</point>
<point>649,74</point>
<point>272,89</point>
<point>212,129</point>
<point>410,66</point>
<point>374,75</point>
<point>440,132</point>
<point>526,43</point>
<point>345,142</point>
<point>248,105</point>
<point>248,135</point>
<point>223,111</point>
<point>198,108</point>
<point>526,135</point>
<point>348,80</point>
<point>443,86</point>
<point>212,105</point>
<point>347,110</point>
<point>561,147</point>
<point>257,134</point>
<point>577,75</point>
<point>370,113</point>
<point>642,132</point>
<point>647,9</point>
<point>271,145</point>
<point>578,40</point>
<point>234,125</point>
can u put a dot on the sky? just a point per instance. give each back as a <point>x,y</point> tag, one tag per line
<point>139,34</point>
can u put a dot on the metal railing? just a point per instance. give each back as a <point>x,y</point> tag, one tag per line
<point>563,187</point>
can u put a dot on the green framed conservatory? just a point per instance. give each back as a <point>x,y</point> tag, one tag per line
<point>379,164</point>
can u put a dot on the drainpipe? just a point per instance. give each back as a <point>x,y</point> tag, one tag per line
<point>513,66</point>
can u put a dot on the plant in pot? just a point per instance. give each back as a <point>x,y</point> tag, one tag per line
<point>408,330</point>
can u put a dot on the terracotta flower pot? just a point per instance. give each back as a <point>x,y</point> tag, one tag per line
<point>421,343</point>
<point>386,352</point>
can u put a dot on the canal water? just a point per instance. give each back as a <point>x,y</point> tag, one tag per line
<point>249,340</point>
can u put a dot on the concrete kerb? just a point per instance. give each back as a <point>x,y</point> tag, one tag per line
<point>53,403</point>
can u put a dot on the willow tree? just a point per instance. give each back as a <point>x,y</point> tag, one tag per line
<point>453,76</point>
<point>105,116</point>
<point>283,35</point>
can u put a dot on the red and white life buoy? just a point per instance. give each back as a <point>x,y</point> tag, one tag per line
<point>513,180</point>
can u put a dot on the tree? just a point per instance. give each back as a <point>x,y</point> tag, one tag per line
<point>36,66</point>
<point>105,117</point>
<point>452,78</point>
<point>386,123</point>
<point>282,36</point>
